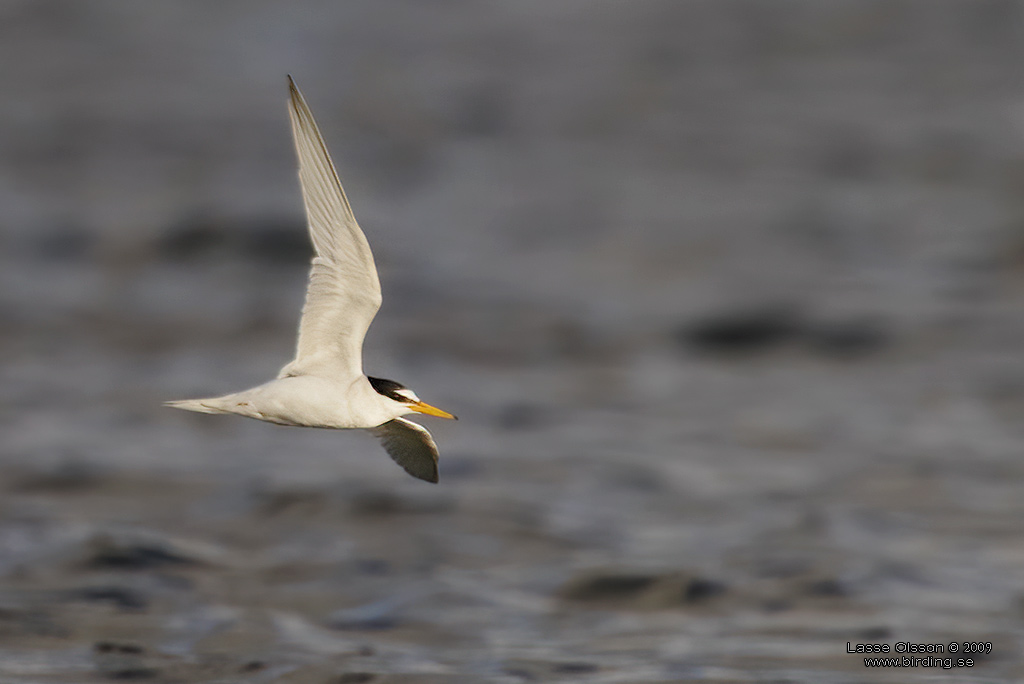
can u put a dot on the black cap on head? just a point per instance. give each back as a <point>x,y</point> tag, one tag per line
<point>388,388</point>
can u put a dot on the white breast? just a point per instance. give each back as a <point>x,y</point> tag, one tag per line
<point>311,401</point>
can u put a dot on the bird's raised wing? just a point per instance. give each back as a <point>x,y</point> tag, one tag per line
<point>411,446</point>
<point>344,292</point>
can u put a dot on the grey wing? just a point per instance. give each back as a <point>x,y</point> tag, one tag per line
<point>344,292</point>
<point>411,446</point>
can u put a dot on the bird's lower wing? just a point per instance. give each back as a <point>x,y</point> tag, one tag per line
<point>411,446</point>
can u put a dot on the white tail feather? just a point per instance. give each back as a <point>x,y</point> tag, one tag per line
<point>197,405</point>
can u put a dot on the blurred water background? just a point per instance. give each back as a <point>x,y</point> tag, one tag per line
<point>728,297</point>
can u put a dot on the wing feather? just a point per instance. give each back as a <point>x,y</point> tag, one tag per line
<point>344,293</point>
<point>411,446</point>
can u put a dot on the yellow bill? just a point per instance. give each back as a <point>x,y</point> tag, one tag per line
<point>423,407</point>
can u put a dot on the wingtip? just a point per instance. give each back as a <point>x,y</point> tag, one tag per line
<point>430,476</point>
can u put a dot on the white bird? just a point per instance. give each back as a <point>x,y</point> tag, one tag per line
<point>325,386</point>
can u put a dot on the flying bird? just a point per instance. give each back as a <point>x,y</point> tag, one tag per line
<point>324,386</point>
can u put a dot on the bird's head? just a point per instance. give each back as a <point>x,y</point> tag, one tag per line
<point>401,394</point>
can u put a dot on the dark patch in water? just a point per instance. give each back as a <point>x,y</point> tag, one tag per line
<point>741,332</point>
<point>574,668</point>
<point>700,589</point>
<point>113,647</point>
<point>759,330</point>
<point>600,587</point>
<point>266,240</point>
<point>67,477</point>
<point>355,678</point>
<point>874,633</point>
<point>192,238</point>
<point>109,554</point>
<point>121,597</point>
<point>285,242</point>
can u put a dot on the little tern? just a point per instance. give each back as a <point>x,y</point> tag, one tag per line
<point>324,386</point>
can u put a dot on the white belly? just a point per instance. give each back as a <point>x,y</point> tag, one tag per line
<point>310,401</point>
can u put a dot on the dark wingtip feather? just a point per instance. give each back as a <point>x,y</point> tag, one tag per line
<point>430,476</point>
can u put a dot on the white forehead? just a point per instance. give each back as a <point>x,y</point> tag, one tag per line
<point>407,393</point>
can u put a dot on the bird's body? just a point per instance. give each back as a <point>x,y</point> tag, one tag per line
<point>304,401</point>
<point>324,386</point>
